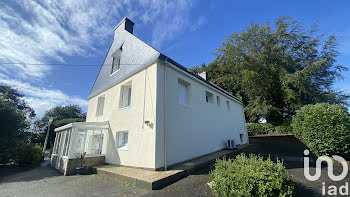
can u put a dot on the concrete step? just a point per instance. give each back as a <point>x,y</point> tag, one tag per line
<point>155,180</point>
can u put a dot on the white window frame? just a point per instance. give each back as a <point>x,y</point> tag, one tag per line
<point>125,93</point>
<point>218,100</point>
<point>184,93</point>
<point>116,59</point>
<point>120,140</point>
<point>100,107</point>
<point>209,97</point>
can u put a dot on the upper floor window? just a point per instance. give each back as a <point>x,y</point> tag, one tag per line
<point>115,64</point>
<point>125,95</point>
<point>209,97</point>
<point>100,105</point>
<point>184,93</point>
<point>228,105</point>
<point>218,100</point>
<point>116,61</point>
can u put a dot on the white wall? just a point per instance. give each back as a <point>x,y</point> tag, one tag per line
<point>141,137</point>
<point>198,129</point>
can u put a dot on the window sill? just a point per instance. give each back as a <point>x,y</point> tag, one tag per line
<point>124,108</point>
<point>185,106</point>
<point>114,72</point>
<point>99,115</point>
<point>122,148</point>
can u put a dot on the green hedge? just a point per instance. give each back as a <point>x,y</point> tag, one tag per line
<point>260,128</point>
<point>325,128</point>
<point>251,176</point>
<point>25,154</point>
<point>283,129</point>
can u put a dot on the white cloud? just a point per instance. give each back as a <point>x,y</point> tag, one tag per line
<point>42,99</point>
<point>44,31</point>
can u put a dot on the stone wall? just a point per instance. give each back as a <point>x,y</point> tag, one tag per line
<point>68,166</point>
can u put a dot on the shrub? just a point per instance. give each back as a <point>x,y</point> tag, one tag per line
<point>260,128</point>
<point>251,176</point>
<point>325,128</point>
<point>283,129</point>
<point>25,154</point>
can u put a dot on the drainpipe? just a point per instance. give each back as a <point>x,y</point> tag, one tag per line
<point>165,126</point>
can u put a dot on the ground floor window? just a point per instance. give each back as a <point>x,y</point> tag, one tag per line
<point>122,140</point>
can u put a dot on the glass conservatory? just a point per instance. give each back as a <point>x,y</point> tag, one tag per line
<point>76,138</point>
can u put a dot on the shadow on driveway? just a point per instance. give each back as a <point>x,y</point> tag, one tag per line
<point>43,171</point>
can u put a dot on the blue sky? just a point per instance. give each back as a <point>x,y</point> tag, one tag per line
<point>77,33</point>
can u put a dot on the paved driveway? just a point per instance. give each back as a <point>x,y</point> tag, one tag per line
<point>45,181</point>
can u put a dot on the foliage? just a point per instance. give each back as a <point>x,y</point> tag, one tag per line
<point>81,158</point>
<point>251,176</point>
<point>283,129</point>
<point>260,128</point>
<point>277,69</point>
<point>61,115</point>
<point>64,112</point>
<point>325,128</point>
<point>25,154</point>
<point>15,115</point>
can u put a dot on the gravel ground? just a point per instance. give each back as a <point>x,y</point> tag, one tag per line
<point>45,181</point>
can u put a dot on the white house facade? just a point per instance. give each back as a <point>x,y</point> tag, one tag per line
<point>158,113</point>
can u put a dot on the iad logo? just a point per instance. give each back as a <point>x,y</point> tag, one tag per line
<point>332,190</point>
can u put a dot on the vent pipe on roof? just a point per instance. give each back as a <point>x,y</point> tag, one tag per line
<point>204,75</point>
<point>126,24</point>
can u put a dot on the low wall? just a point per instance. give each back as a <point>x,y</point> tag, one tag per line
<point>68,166</point>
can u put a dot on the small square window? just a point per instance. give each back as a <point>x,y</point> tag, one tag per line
<point>122,140</point>
<point>209,97</point>
<point>228,105</point>
<point>100,105</point>
<point>184,93</point>
<point>125,95</point>
<point>218,100</point>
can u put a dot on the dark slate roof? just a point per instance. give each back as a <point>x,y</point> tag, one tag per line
<point>136,55</point>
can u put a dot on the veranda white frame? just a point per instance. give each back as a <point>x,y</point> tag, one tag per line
<point>67,137</point>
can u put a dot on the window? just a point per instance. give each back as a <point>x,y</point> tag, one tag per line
<point>96,144</point>
<point>184,93</point>
<point>100,105</point>
<point>115,64</point>
<point>122,142</point>
<point>218,100</point>
<point>228,105</point>
<point>125,94</point>
<point>116,61</point>
<point>241,137</point>
<point>209,97</point>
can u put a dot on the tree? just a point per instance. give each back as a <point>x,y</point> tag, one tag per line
<point>277,69</point>
<point>61,115</point>
<point>15,115</point>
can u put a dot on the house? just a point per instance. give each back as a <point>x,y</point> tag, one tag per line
<point>146,110</point>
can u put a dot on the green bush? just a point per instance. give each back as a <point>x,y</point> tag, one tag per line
<point>325,128</point>
<point>25,154</point>
<point>251,176</point>
<point>260,128</point>
<point>283,129</point>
